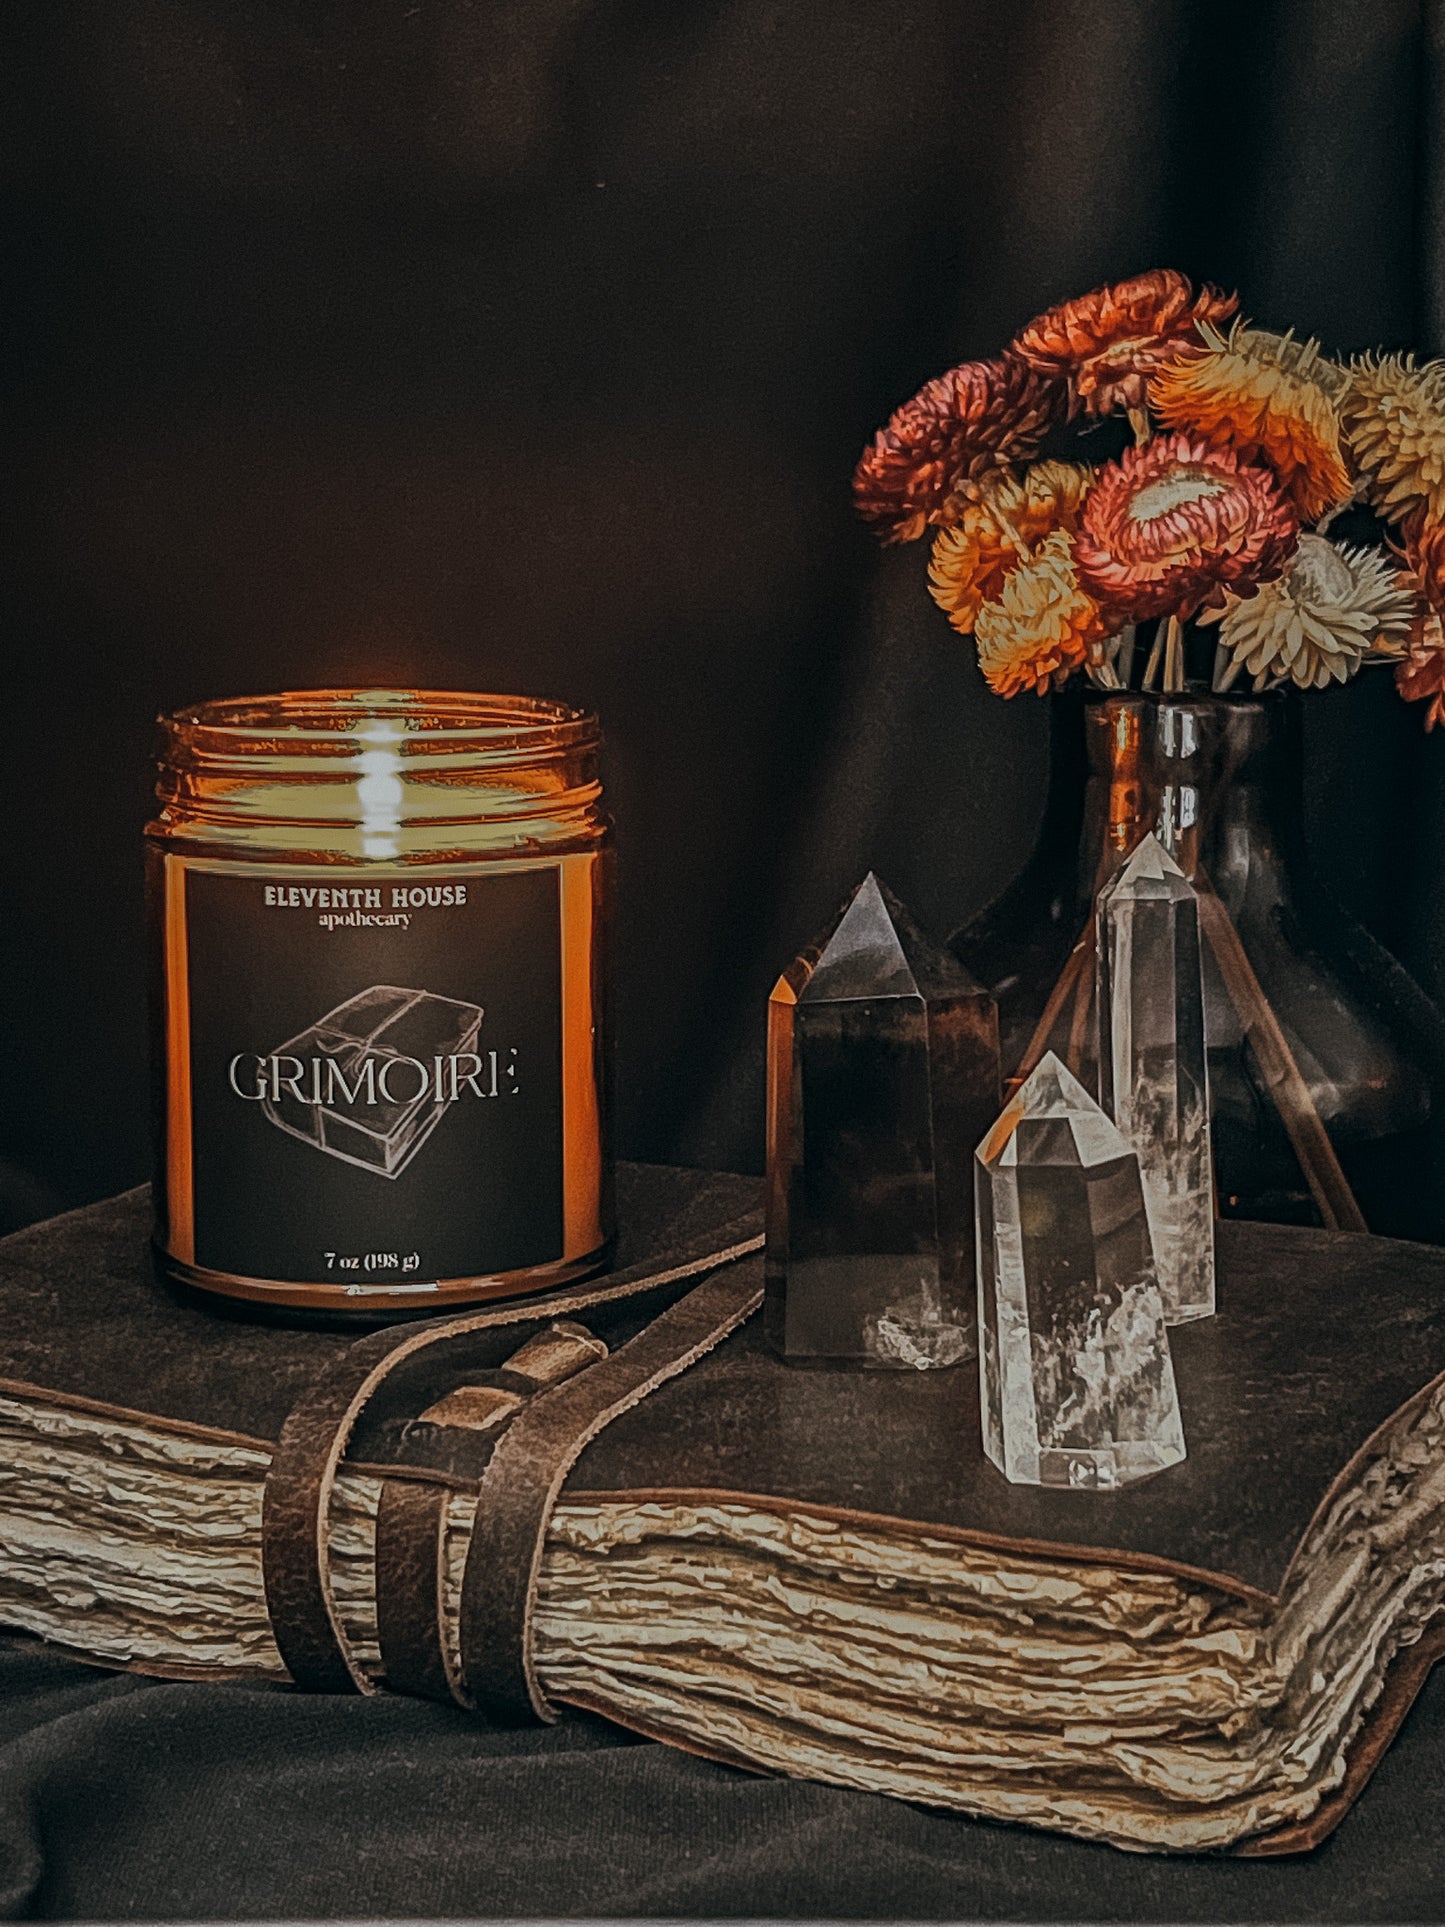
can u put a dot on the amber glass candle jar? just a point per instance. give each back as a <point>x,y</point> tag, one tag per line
<point>380,923</point>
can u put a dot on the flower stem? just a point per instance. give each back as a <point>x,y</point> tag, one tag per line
<point>1174,657</point>
<point>1339,508</point>
<point>1139,422</point>
<point>1126,655</point>
<point>1156,656</point>
<point>1103,669</point>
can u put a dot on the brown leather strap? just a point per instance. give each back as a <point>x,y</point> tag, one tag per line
<point>295,1513</point>
<point>532,1460</point>
<point>410,1574</point>
<point>411,1519</point>
<point>305,1621</point>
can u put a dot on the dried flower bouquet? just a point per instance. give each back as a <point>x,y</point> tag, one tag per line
<point>1247,446</point>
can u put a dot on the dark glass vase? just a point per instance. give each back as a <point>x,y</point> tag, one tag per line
<point>1220,779</point>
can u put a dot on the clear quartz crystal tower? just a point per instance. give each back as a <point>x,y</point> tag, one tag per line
<point>1076,1381</point>
<point>1152,1067</point>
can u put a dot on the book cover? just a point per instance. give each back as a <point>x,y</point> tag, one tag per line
<point>813,1572</point>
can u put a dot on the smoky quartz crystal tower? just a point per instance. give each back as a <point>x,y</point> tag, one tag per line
<point>1152,1067</point>
<point>883,1074</point>
<point>1075,1376</point>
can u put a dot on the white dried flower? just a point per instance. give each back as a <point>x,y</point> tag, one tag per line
<point>1316,623</point>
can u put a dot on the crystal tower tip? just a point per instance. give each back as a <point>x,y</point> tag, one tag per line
<point>1150,872</point>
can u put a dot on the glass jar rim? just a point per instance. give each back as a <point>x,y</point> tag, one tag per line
<point>498,729</point>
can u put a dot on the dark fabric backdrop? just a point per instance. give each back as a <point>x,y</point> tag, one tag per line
<point>528,344</point>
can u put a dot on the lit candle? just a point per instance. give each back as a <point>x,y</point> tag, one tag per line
<point>380,1044</point>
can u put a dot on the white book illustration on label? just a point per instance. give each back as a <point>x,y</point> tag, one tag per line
<point>369,1081</point>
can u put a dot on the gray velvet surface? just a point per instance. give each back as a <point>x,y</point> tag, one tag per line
<point>124,1799</point>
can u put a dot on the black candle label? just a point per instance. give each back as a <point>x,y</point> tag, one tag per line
<point>375,1074</point>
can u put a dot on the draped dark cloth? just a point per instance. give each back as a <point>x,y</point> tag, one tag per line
<point>122,1799</point>
<point>528,344</point>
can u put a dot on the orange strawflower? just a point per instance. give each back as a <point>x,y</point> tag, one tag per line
<point>1170,526</point>
<point>1043,626</point>
<point>1424,553</point>
<point>1420,677</point>
<point>994,527</point>
<point>976,418</point>
<point>1267,397</point>
<point>1107,344</point>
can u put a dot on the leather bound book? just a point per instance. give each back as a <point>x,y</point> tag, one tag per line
<point>616,1498</point>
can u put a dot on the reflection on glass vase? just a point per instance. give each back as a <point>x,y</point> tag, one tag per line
<point>1219,780</point>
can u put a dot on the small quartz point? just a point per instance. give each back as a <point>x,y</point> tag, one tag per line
<point>1076,1381</point>
<point>1152,1065</point>
<point>883,1074</point>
